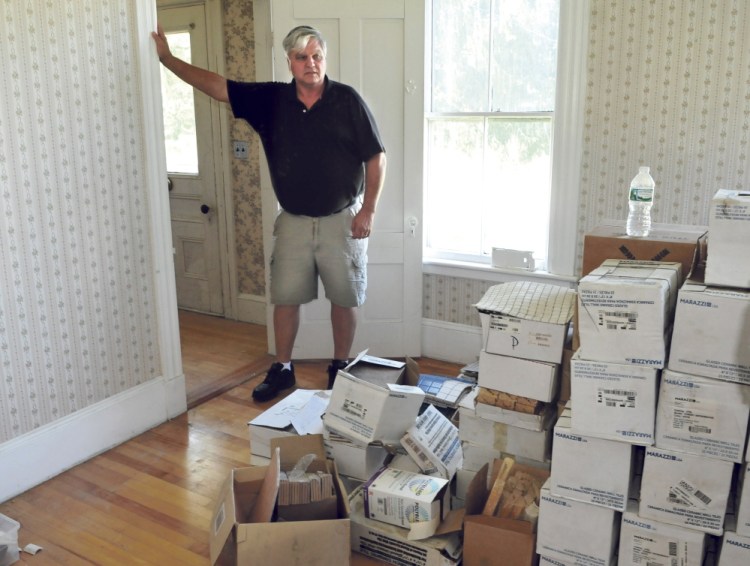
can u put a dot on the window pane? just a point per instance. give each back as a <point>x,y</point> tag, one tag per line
<point>179,113</point>
<point>516,202</point>
<point>524,55</point>
<point>460,58</point>
<point>454,193</point>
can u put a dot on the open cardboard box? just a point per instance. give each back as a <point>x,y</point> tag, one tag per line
<point>497,540</point>
<point>247,527</point>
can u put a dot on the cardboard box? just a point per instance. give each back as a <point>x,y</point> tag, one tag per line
<point>710,335</point>
<point>614,401</point>
<point>702,416</point>
<point>645,541</point>
<point>432,441</point>
<point>527,378</point>
<point>378,371</point>
<point>389,543</point>
<point>685,490</point>
<point>728,260</point>
<point>526,320</point>
<point>735,550</point>
<point>536,422</point>
<point>296,414</point>
<point>413,501</point>
<point>589,469</point>
<point>241,529</point>
<point>486,537</point>
<point>577,531</point>
<point>365,413</point>
<point>743,501</point>
<point>665,242</point>
<point>354,460</point>
<point>547,561</point>
<point>535,445</point>
<point>9,552</point>
<point>625,310</point>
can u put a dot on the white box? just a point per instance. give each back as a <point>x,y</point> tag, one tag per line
<point>710,336</point>
<point>645,541</point>
<point>613,401</point>
<point>354,460</point>
<point>527,378</point>
<point>389,543</point>
<point>296,414</point>
<point>365,413</point>
<point>526,320</point>
<point>625,309</point>
<point>434,444</point>
<point>702,416</point>
<point>463,479</point>
<point>589,469</point>
<point>8,540</point>
<point>728,259</point>
<point>535,445</point>
<point>685,490</point>
<point>743,502</point>
<point>735,550</point>
<point>547,561</point>
<point>416,502</point>
<point>570,530</point>
<point>477,455</point>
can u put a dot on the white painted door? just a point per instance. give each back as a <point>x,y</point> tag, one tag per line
<point>376,47</point>
<point>190,166</point>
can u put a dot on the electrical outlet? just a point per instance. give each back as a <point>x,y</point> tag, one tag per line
<point>240,149</point>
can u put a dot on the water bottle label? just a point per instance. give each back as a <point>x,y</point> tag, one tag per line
<point>641,194</point>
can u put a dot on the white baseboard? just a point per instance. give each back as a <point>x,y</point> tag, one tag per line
<point>450,342</point>
<point>251,308</point>
<point>35,457</point>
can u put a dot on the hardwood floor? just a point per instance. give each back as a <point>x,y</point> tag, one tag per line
<point>149,501</point>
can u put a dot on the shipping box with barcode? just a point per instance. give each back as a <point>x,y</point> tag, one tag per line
<point>685,490</point>
<point>589,469</point>
<point>432,441</point>
<point>526,320</point>
<point>625,310</point>
<point>648,542</point>
<point>576,532</point>
<point>735,549</point>
<point>390,543</point>
<point>614,401</point>
<point>710,337</point>
<point>728,260</point>
<point>413,501</point>
<point>703,416</point>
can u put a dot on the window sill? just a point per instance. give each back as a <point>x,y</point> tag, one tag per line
<point>486,272</point>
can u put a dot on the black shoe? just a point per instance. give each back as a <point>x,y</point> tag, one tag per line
<point>277,379</point>
<point>333,371</point>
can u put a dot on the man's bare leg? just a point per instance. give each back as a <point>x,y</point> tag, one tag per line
<point>344,323</point>
<point>285,326</point>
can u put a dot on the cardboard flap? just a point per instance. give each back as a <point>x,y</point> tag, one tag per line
<point>452,523</point>
<point>222,521</point>
<point>262,510</point>
<point>476,493</point>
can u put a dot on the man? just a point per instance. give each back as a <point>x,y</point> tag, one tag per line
<point>327,165</point>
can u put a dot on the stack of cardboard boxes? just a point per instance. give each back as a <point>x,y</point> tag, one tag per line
<point>524,331</point>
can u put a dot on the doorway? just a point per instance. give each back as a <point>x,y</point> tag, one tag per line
<point>195,183</point>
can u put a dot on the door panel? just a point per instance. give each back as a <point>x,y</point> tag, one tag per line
<point>193,195</point>
<point>367,49</point>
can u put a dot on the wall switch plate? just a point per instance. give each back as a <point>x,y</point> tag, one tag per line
<point>240,149</point>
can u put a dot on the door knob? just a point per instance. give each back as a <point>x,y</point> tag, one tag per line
<point>170,184</point>
<point>205,209</point>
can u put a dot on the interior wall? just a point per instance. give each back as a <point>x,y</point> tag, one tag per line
<point>83,279</point>
<point>667,87</point>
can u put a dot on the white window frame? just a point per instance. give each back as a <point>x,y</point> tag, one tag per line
<point>566,153</point>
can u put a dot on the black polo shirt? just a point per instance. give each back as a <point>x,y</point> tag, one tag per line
<point>316,157</point>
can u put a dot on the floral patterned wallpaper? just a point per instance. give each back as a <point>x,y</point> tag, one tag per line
<point>77,297</point>
<point>240,65</point>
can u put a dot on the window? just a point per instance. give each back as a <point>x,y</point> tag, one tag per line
<point>180,138</point>
<point>490,126</point>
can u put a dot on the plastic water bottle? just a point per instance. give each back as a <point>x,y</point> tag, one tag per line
<point>640,199</point>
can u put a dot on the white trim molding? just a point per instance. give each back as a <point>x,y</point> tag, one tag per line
<point>450,342</point>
